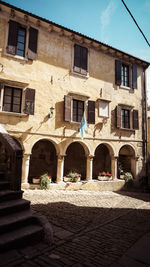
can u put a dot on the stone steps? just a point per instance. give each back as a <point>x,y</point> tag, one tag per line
<point>4,185</point>
<point>8,207</point>
<point>6,195</point>
<point>13,221</point>
<point>18,226</point>
<point>21,237</point>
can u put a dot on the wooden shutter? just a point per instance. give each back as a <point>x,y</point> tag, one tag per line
<point>29,101</point>
<point>67,108</point>
<point>118,72</point>
<point>84,59</point>
<point>12,37</point>
<point>91,112</point>
<point>135,119</point>
<point>77,58</point>
<point>118,117</point>
<point>32,47</point>
<point>134,77</point>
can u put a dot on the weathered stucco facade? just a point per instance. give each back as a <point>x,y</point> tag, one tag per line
<point>48,138</point>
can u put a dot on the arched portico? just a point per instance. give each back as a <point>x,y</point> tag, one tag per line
<point>102,159</point>
<point>127,159</point>
<point>43,159</point>
<point>75,159</point>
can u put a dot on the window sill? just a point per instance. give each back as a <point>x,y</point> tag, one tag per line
<point>127,129</point>
<point>16,57</point>
<point>125,87</point>
<point>86,76</point>
<point>5,113</point>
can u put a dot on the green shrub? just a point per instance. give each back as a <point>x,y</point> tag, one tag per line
<point>128,179</point>
<point>45,180</point>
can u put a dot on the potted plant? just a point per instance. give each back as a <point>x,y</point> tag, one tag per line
<point>104,176</point>
<point>36,180</point>
<point>44,180</point>
<point>72,176</point>
<point>128,179</point>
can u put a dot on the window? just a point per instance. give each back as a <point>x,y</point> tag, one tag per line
<point>74,108</point>
<point>125,118</point>
<point>17,36</point>
<point>21,42</point>
<point>103,108</point>
<point>78,109</point>
<point>80,59</point>
<point>12,99</point>
<point>125,75</point>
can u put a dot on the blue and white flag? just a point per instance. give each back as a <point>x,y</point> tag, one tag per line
<point>83,126</point>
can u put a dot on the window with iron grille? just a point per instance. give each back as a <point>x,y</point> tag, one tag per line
<point>78,109</point>
<point>12,99</point>
<point>125,118</point>
<point>125,75</point>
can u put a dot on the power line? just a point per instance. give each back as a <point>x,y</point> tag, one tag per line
<point>136,23</point>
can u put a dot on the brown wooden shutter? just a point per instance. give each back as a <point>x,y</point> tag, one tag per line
<point>77,58</point>
<point>134,77</point>
<point>12,37</point>
<point>32,47</point>
<point>118,117</point>
<point>91,112</point>
<point>135,119</point>
<point>29,101</point>
<point>118,72</point>
<point>67,108</point>
<point>84,59</point>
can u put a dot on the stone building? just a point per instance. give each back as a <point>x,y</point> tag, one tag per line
<point>49,77</point>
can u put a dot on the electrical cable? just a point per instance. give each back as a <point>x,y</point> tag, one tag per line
<point>136,23</point>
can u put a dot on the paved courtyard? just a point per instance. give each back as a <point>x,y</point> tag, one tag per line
<point>90,228</point>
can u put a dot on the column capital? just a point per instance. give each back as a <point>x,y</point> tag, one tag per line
<point>61,157</point>
<point>90,157</point>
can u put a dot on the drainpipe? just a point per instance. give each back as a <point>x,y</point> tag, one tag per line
<point>145,128</point>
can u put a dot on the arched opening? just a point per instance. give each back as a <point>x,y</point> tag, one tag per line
<point>43,160</point>
<point>126,160</point>
<point>75,159</point>
<point>101,161</point>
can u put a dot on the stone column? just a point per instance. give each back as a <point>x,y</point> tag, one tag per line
<point>60,168</point>
<point>25,170</point>
<point>89,168</point>
<point>114,167</point>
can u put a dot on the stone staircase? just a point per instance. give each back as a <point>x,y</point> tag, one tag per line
<point>19,227</point>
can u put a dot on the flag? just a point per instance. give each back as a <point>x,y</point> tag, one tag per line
<point>83,126</point>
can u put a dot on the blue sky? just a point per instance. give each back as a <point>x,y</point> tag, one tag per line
<point>104,20</point>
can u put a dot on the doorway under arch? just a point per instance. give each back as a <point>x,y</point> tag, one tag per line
<point>75,159</point>
<point>101,161</point>
<point>43,160</point>
<point>127,159</point>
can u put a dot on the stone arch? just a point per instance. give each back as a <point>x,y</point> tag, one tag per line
<point>56,145</point>
<point>127,159</point>
<point>109,146</point>
<point>103,159</point>
<point>84,145</point>
<point>43,159</point>
<point>75,158</point>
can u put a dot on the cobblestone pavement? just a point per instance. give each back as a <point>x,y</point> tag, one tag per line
<point>90,228</point>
